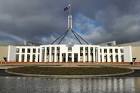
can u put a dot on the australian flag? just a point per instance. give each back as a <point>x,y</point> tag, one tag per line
<point>66,8</point>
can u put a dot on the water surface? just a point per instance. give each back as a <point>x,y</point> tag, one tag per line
<point>90,85</point>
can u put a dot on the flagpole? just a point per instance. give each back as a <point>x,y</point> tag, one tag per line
<point>69,18</point>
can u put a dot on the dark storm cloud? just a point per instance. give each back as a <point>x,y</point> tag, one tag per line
<point>43,20</point>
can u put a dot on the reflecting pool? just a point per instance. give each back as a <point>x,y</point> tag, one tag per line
<point>88,85</point>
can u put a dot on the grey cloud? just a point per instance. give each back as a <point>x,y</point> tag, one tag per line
<point>44,20</point>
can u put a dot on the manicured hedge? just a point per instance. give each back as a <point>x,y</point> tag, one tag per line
<point>69,70</point>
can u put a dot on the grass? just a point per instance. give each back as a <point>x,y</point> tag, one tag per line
<point>69,70</point>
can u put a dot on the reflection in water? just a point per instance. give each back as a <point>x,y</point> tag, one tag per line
<point>44,85</point>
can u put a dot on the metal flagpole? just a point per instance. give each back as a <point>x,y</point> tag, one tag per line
<point>69,28</point>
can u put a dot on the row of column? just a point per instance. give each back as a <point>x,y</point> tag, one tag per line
<point>114,55</point>
<point>53,55</point>
<point>28,57</point>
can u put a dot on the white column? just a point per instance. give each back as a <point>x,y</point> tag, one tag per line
<point>89,57</point>
<point>9,53</point>
<point>40,59</point>
<point>79,57</point>
<point>55,54</point>
<point>98,54</point>
<point>113,53</point>
<point>94,54</point>
<point>103,56</point>
<point>31,54</point>
<point>36,55</point>
<point>108,55</point>
<point>60,57</point>
<point>20,57</point>
<point>83,54</point>
<point>25,59</point>
<point>72,57</point>
<point>119,55</point>
<point>45,55</point>
<point>50,54</point>
<point>66,57</point>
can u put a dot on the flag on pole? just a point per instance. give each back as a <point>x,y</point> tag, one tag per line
<point>66,8</point>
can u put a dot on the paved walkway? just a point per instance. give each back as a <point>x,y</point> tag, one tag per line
<point>12,65</point>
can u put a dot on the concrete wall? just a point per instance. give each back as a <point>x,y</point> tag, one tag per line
<point>11,53</point>
<point>136,53</point>
<point>128,53</point>
<point>3,52</point>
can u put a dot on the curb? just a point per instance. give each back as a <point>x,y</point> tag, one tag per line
<point>68,76</point>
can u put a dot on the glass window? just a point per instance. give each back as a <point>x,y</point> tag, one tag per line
<point>86,49</point>
<point>22,58</point>
<point>58,49</point>
<point>110,50</point>
<point>116,57</point>
<point>116,50</point>
<point>34,58</point>
<point>100,50</point>
<point>69,48</point>
<point>38,50</point>
<point>121,50</point>
<point>105,50</point>
<point>47,49</point>
<point>122,58</point>
<point>34,50</point>
<point>28,50</point>
<point>17,58</point>
<point>28,58</point>
<point>23,50</point>
<point>17,50</point>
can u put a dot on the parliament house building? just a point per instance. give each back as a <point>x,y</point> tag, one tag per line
<point>69,53</point>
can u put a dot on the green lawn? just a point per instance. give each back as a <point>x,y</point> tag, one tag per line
<point>69,70</point>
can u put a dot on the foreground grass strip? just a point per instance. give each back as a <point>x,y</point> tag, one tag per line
<point>69,70</point>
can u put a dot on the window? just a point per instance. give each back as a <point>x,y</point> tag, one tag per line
<point>105,50</point>
<point>38,50</point>
<point>58,49</point>
<point>116,50</point>
<point>69,49</point>
<point>91,49</point>
<point>17,50</point>
<point>122,58</point>
<point>34,58</point>
<point>34,50</point>
<point>86,49</point>
<point>110,50</point>
<point>22,58</point>
<point>28,50</point>
<point>17,58</point>
<point>105,58</point>
<point>28,58</point>
<point>81,49</point>
<point>111,58</point>
<point>121,50</point>
<point>116,57</point>
<point>23,50</point>
<point>52,49</point>
<point>101,58</point>
<point>100,50</point>
<point>47,49</point>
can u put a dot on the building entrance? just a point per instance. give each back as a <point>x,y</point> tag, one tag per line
<point>69,57</point>
<point>63,57</point>
<point>75,57</point>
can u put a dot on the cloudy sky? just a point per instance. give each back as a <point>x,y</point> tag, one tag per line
<point>95,20</point>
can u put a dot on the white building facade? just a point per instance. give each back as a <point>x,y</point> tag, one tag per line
<point>69,53</point>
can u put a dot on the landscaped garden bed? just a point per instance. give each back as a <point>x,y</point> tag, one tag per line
<point>69,70</point>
